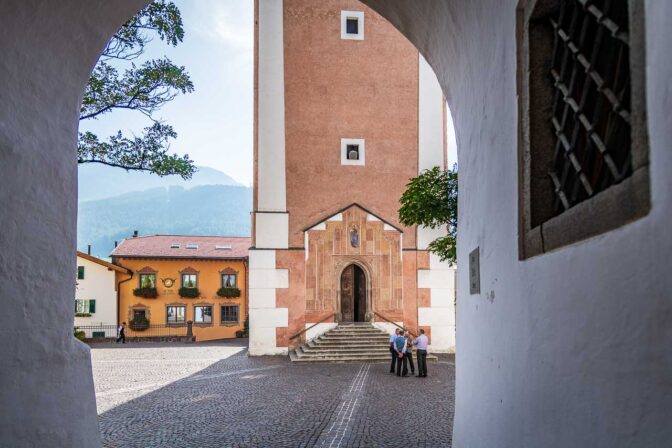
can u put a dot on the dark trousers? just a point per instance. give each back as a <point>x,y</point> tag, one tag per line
<point>409,355</point>
<point>422,362</point>
<point>402,362</point>
<point>122,337</point>
<point>394,359</point>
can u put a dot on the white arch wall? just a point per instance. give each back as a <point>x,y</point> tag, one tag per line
<point>571,348</point>
<point>47,50</point>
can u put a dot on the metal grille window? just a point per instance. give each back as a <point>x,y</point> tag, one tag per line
<point>582,120</point>
<point>591,105</point>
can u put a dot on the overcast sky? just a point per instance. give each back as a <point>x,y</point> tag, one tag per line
<point>214,123</point>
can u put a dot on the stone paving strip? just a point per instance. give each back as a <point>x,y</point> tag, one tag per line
<point>333,437</point>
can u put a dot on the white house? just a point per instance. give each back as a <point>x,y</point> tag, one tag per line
<point>96,295</point>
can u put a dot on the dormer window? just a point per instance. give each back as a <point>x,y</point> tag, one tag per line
<point>192,246</point>
<point>352,25</point>
<point>175,246</point>
<point>352,151</point>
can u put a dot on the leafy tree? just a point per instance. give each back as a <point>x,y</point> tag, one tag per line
<point>430,200</point>
<point>144,88</point>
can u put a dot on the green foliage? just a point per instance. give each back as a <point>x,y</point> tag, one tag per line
<point>147,292</point>
<point>430,200</point>
<point>79,334</point>
<point>172,211</point>
<point>145,88</point>
<point>189,292</point>
<point>246,327</point>
<point>228,292</point>
<point>82,314</point>
<point>139,323</point>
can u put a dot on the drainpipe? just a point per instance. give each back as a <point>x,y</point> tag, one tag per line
<point>119,293</point>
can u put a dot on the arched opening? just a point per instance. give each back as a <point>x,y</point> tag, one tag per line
<point>353,294</point>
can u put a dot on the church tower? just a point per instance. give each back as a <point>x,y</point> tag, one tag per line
<point>346,112</point>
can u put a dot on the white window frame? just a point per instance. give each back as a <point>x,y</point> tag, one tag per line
<point>359,15</point>
<point>344,151</point>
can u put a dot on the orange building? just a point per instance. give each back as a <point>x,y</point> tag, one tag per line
<point>177,279</point>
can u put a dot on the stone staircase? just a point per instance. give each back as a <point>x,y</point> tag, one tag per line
<point>352,342</point>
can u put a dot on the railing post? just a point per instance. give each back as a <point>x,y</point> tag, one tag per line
<point>190,333</point>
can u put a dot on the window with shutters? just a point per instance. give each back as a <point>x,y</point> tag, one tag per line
<point>84,307</point>
<point>583,146</point>
<point>80,272</point>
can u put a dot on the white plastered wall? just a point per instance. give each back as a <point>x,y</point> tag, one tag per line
<point>439,278</point>
<point>271,219</point>
<point>571,348</point>
<point>265,316</point>
<point>98,284</point>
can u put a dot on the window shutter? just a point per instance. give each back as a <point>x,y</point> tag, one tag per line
<point>80,272</point>
<point>92,306</point>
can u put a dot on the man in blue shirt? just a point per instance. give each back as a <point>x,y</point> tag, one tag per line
<point>400,349</point>
<point>393,352</point>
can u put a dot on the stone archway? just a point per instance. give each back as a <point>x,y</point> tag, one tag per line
<point>48,50</point>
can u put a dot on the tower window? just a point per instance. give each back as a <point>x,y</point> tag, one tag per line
<point>352,151</point>
<point>352,25</point>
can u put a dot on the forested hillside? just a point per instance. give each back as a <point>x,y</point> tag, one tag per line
<point>203,210</point>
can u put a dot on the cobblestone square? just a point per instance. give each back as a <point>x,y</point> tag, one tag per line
<point>214,395</point>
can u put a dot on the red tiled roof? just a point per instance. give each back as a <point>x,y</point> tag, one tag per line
<point>159,246</point>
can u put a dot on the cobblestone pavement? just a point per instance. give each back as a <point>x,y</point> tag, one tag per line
<point>214,395</point>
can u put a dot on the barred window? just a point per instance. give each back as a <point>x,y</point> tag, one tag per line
<point>229,314</point>
<point>584,150</point>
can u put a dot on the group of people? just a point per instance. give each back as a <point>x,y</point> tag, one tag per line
<point>401,349</point>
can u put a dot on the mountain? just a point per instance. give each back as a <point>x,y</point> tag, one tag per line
<point>201,210</point>
<point>97,181</point>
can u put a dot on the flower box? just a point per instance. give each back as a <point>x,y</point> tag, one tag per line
<point>228,292</point>
<point>189,292</point>
<point>147,293</point>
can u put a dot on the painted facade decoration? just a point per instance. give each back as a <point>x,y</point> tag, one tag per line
<point>327,243</point>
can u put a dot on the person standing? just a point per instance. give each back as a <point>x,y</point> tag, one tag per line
<point>393,352</point>
<point>400,349</point>
<point>409,352</point>
<point>421,346</point>
<point>121,333</point>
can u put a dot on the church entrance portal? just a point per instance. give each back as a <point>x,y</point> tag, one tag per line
<point>353,294</point>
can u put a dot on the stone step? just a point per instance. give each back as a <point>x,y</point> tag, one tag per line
<point>379,339</point>
<point>362,343</point>
<point>319,349</point>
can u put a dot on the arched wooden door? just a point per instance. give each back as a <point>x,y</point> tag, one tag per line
<point>353,294</point>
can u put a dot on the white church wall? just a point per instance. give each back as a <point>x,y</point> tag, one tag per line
<point>265,316</point>
<point>271,185</point>
<point>567,348</point>
<point>46,386</point>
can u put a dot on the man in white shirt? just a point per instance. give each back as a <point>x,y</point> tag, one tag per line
<point>421,344</point>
